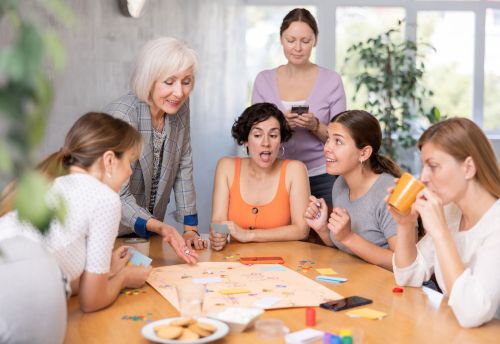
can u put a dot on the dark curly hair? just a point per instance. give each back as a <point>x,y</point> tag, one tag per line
<point>257,113</point>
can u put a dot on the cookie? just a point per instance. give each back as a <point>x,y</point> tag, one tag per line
<point>168,332</point>
<point>197,329</point>
<point>187,334</point>
<point>184,322</point>
<point>207,327</point>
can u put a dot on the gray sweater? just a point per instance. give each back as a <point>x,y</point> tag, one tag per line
<point>369,215</point>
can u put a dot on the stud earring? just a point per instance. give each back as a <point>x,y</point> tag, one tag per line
<point>108,174</point>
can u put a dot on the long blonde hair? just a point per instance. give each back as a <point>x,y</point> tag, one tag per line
<point>461,138</point>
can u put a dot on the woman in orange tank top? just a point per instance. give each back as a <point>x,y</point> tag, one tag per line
<point>252,196</point>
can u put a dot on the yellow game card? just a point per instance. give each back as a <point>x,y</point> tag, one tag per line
<point>366,313</point>
<point>326,271</point>
<point>234,291</point>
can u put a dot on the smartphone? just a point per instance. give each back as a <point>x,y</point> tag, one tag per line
<point>300,109</point>
<point>348,302</point>
<point>261,260</point>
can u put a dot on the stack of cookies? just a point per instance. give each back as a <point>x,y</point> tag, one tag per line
<point>184,329</point>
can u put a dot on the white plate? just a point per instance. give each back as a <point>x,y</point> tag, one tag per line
<point>149,332</point>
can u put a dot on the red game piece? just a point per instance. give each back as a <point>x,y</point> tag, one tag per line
<point>310,317</point>
<point>397,290</point>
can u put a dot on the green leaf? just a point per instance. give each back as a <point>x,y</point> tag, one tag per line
<point>30,200</point>
<point>55,50</point>
<point>6,165</point>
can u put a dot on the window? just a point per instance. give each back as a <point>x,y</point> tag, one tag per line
<point>491,121</point>
<point>449,68</point>
<point>356,24</point>
<point>463,72</point>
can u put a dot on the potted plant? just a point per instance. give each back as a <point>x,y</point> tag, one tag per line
<point>386,69</point>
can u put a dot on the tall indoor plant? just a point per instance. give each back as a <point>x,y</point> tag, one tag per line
<point>386,68</point>
<point>26,93</point>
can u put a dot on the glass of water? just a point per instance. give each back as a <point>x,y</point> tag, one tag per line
<point>190,297</point>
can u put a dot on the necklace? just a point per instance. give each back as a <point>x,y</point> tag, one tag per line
<point>160,125</point>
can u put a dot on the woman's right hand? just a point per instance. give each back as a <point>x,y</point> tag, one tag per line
<point>135,276</point>
<point>290,118</point>
<point>316,214</point>
<point>403,220</point>
<point>174,239</point>
<point>217,240</point>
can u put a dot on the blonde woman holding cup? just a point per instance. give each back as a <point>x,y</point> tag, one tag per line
<point>460,211</point>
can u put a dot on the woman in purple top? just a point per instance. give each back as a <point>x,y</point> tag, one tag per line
<point>303,83</point>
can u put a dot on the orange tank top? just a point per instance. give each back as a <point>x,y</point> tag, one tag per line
<point>249,216</point>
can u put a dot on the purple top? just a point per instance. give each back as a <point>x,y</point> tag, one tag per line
<point>327,99</point>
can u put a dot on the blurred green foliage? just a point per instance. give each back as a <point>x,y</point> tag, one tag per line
<point>26,95</point>
<point>390,79</point>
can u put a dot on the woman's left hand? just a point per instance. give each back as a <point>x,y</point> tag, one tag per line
<point>340,224</point>
<point>237,232</point>
<point>307,120</point>
<point>119,259</point>
<point>193,239</point>
<point>430,208</point>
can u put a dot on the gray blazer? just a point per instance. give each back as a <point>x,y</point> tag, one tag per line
<point>176,170</point>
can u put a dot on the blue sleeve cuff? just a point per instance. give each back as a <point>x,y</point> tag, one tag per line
<point>191,220</point>
<point>140,228</point>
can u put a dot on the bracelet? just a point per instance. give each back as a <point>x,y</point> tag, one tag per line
<point>192,230</point>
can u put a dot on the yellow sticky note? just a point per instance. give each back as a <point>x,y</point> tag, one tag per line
<point>326,271</point>
<point>366,313</point>
<point>234,291</point>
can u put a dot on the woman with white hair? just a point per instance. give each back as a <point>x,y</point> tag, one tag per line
<point>158,107</point>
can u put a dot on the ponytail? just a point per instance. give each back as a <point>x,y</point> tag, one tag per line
<point>51,167</point>
<point>380,164</point>
<point>55,165</point>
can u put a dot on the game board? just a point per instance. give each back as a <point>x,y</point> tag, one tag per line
<point>268,286</point>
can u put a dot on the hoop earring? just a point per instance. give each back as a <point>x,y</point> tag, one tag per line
<point>282,152</point>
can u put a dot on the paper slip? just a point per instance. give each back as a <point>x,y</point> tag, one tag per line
<point>266,302</point>
<point>366,313</point>
<point>220,228</point>
<point>273,268</point>
<point>138,259</point>
<point>207,280</point>
<point>434,296</point>
<point>234,291</point>
<point>331,279</point>
<point>305,336</point>
<point>326,271</point>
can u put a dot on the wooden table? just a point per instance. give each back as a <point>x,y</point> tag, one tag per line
<point>410,317</point>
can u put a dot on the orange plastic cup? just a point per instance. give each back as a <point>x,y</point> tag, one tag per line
<point>405,193</point>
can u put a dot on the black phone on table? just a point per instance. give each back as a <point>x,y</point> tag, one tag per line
<point>300,109</point>
<point>346,303</point>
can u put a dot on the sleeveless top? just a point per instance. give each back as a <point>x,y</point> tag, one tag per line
<point>248,216</point>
